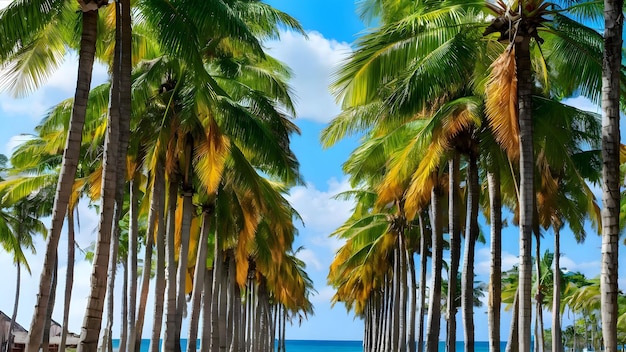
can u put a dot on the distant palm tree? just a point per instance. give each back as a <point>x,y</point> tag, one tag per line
<point>18,223</point>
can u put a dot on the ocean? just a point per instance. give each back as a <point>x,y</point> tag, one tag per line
<point>328,346</point>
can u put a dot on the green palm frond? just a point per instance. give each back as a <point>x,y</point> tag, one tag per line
<point>31,66</point>
<point>14,30</point>
<point>17,188</point>
<point>351,121</point>
<point>574,53</point>
<point>265,21</point>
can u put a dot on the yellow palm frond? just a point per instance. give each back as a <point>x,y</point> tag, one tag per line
<point>418,194</point>
<point>501,103</point>
<point>95,183</point>
<point>246,237</point>
<point>212,154</point>
<point>77,187</point>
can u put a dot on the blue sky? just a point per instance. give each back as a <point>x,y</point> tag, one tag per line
<point>331,27</point>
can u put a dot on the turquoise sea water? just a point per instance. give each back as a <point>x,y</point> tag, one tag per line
<point>328,346</point>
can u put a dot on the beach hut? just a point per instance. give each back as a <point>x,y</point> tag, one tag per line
<point>5,326</point>
<point>20,336</point>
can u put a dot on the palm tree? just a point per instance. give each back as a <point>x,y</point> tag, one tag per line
<point>16,30</point>
<point>17,226</point>
<point>611,78</point>
<point>526,21</point>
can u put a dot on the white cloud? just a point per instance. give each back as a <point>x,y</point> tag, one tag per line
<point>320,212</point>
<point>14,142</point>
<point>589,268</point>
<point>313,62</point>
<point>323,295</point>
<point>4,3</point>
<point>59,86</point>
<point>310,259</point>
<point>483,261</point>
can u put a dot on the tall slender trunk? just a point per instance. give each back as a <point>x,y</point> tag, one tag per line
<point>125,67</point>
<point>395,298</point>
<point>183,253</point>
<point>538,299</point>
<point>231,299</point>
<point>611,77</point>
<point>223,307</point>
<point>133,240</point>
<point>454,216</point>
<point>434,300</point>
<point>215,302</point>
<point>471,235</point>
<point>512,344</point>
<point>236,337</point>
<point>412,316</point>
<point>169,339</point>
<point>495,275</point>
<point>526,199</point>
<point>207,294</point>
<point>45,344</point>
<point>198,281</point>
<point>145,276</point>
<point>124,310</point>
<point>113,179</point>
<point>413,304</point>
<point>557,340</point>
<point>71,154</point>
<point>403,286</point>
<point>423,260</point>
<point>69,277</point>
<point>110,295</point>
<point>16,303</point>
<point>158,192</point>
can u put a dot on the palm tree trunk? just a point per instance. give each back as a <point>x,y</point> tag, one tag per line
<point>395,298</point>
<point>223,307</point>
<point>467,288</point>
<point>403,286</point>
<point>71,155</point>
<point>183,253</point>
<point>526,199</point>
<point>69,277</point>
<point>205,340</point>
<point>412,316</point>
<point>235,340</point>
<point>110,296</point>
<point>124,309</point>
<point>45,344</point>
<point>512,344</point>
<point>611,77</point>
<point>198,282</point>
<point>113,179</point>
<point>215,302</point>
<point>16,303</point>
<point>158,193</point>
<point>434,300</point>
<point>423,260</point>
<point>133,240</point>
<point>125,67</point>
<point>231,302</point>
<point>495,276</point>
<point>169,339</point>
<point>538,299</point>
<point>455,248</point>
<point>557,340</point>
<point>145,276</point>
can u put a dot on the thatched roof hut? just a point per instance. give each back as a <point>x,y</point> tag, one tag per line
<point>20,336</point>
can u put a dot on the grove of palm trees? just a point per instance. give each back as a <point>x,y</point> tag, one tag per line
<point>184,157</point>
